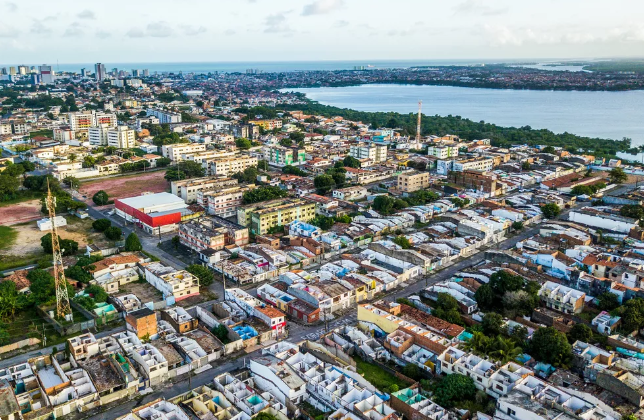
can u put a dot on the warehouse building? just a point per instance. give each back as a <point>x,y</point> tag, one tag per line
<point>156,213</point>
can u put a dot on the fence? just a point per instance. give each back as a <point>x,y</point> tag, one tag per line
<point>64,329</point>
<point>19,344</point>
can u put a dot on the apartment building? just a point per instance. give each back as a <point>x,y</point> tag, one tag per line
<point>164,117</point>
<point>224,202</point>
<point>121,137</point>
<point>143,322</point>
<point>97,136</point>
<point>413,181</point>
<point>201,234</point>
<point>263,216</point>
<point>476,180</point>
<point>477,164</point>
<point>229,166</point>
<point>562,298</point>
<point>174,152</point>
<point>374,152</point>
<point>283,156</point>
<point>350,193</point>
<point>267,124</point>
<point>174,284</point>
<point>82,121</point>
<point>188,189</point>
<point>443,152</point>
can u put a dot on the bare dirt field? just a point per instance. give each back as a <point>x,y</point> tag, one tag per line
<point>28,240</point>
<point>126,186</point>
<point>144,291</point>
<point>20,212</point>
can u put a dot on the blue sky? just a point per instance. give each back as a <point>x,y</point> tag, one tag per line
<point>69,31</point>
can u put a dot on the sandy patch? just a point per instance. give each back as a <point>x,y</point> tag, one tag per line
<point>20,212</point>
<point>127,186</point>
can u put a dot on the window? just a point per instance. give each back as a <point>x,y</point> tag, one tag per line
<point>511,412</point>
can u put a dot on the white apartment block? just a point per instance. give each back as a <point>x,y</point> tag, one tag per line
<point>121,137</point>
<point>230,166</point>
<point>350,193</point>
<point>97,136</point>
<point>443,152</point>
<point>173,284</point>
<point>375,152</point>
<point>165,117</point>
<point>478,164</point>
<point>223,203</point>
<point>82,121</point>
<point>188,189</point>
<point>562,298</point>
<point>176,152</point>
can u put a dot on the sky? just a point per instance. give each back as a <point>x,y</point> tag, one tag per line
<point>70,31</point>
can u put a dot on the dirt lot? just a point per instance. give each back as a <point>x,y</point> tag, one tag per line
<point>126,186</point>
<point>144,291</point>
<point>28,240</point>
<point>20,212</point>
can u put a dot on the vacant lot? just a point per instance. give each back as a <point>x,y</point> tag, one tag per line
<point>126,186</point>
<point>20,212</point>
<point>143,290</point>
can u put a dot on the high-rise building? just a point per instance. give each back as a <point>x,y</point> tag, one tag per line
<point>46,75</point>
<point>12,71</point>
<point>35,78</point>
<point>99,71</point>
<point>146,73</point>
<point>23,70</point>
<point>83,72</point>
<point>3,71</point>
<point>97,136</point>
<point>121,137</point>
<point>136,72</point>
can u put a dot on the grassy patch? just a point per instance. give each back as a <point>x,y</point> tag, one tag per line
<point>8,236</point>
<point>21,197</point>
<point>8,262</point>
<point>379,378</point>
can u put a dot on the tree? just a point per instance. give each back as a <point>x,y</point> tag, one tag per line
<point>176,241</point>
<point>163,162</point>
<point>296,136</point>
<point>286,142</point>
<point>71,182</point>
<point>101,198</point>
<point>77,273</point>
<point>517,225</point>
<point>400,204</point>
<point>184,170</point>
<point>411,370</point>
<point>263,193</point>
<point>86,302</point>
<point>13,170</point>
<point>323,222</point>
<point>351,162</point>
<point>492,323</point>
<point>42,286</point>
<point>323,183</point>
<point>402,242</point>
<point>505,350</point>
<point>550,210</point>
<point>249,175</point>
<point>8,187</point>
<point>550,346</point>
<point>67,246</point>
<point>447,309</point>
<point>132,243</point>
<point>607,301</point>
<point>243,143</point>
<point>580,332</point>
<point>485,297</point>
<point>525,166</point>
<point>634,211</point>
<point>502,281</point>
<point>617,175</point>
<point>221,332</point>
<point>205,276</point>
<point>9,300</point>
<point>458,202</point>
<point>113,233</point>
<point>100,225</point>
<point>549,149</point>
<point>383,204</point>
<point>453,388</point>
<point>293,170</point>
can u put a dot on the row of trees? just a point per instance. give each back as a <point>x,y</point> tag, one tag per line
<point>263,193</point>
<point>326,223</point>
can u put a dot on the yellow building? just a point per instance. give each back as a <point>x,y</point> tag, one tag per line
<point>413,181</point>
<point>263,216</point>
<point>268,124</point>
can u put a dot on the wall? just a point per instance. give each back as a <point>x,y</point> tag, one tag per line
<point>613,384</point>
<point>19,344</point>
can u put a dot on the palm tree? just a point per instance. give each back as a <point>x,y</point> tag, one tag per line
<point>72,157</point>
<point>478,344</point>
<point>505,350</point>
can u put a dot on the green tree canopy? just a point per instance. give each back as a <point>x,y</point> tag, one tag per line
<point>454,388</point>
<point>184,170</point>
<point>323,183</point>
<point>243,143</point>
<point>351,162</point>
<point>492,323</point>
<point>263,193</point>
<point>485,297</point>
<point>101,198</point>
<point>101,224</point>
<point>132,243</point>
<point>113,233</point>
<point>634,211</point>
<point>205,276</point>
<point>550,210</point>
<point>402,242</point>
<point>580,332</point>
<point>383,204</point>
<point>617,175</point>
<point>607,301</point>
<point>550,346</point>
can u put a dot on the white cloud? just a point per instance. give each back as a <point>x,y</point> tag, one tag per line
<point>73,31</point>
<point>229,32</point>
<point>11,6</point>
<point>321,7</point>
<point>86,14</point>
<point>478,8</point>
<point>7,31</point>
<point>159,29</point>
<point>502,35</point>
<point>103,34</point>
<point>37,27</point>
<point>340,23</point>
<point>193,30</point>
<point>276,23</point>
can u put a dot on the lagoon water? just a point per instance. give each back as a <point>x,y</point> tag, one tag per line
<point>612,115</point>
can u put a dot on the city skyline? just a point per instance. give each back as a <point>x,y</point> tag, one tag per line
<point>316,30</point>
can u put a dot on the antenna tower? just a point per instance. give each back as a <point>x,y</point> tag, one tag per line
<point>62,299</point>
<point>420,105</point>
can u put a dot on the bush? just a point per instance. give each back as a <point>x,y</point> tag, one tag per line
<point>113,233</point>
<point>101,225</point>
<point>97,292</point>
<point>454,388</point>
<point>101,198</point>
<point>205,276</point>
<point>132,243</point>
<point>550,346</point>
